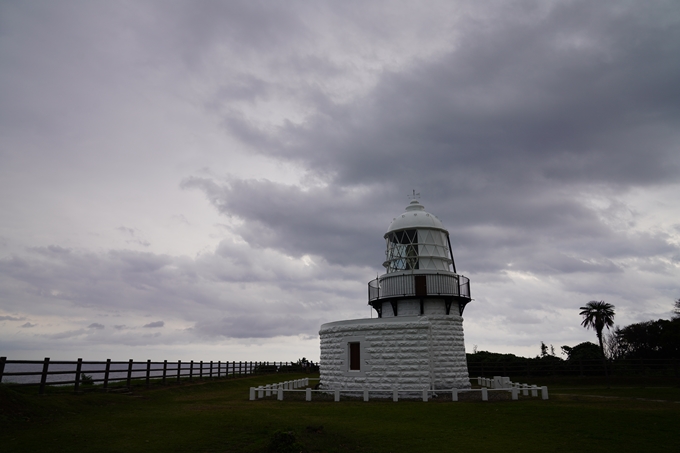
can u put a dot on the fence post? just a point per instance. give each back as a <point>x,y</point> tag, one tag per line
<point>280,395</point>
<point>239,368</point>
<point>165,370</point>
<point>337,396</point>
<point>191,371</point>
<point>43,376</point>
<point>2,367</point>
<point>308,394</point>
<point>366,395</point>
<point>107,369</point>
<point>425,396</point>
<point>485,394</point>
<point>211,363</point>
<point>200,372</point>
<point>129,375</point>
<point>148,372</point>
<point>219,366</point>
<point>79,366</point>
<point>179,370</point>
<point>544,392</point>
<point>454,395</point>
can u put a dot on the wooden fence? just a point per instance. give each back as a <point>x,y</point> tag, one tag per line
<point>80,372</point>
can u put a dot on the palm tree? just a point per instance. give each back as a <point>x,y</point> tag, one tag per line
<point>598,315</point>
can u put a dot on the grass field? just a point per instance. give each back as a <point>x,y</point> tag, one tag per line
<point>216,416</point>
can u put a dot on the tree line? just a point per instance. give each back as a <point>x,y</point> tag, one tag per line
<point>648,340</point>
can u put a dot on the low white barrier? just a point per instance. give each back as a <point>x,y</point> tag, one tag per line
<point>499,383</point>
<point>504,383</point>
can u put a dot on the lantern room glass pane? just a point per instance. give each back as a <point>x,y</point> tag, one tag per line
<point>402,250</point>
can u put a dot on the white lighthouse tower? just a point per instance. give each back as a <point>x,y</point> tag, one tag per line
<point>416,342</point>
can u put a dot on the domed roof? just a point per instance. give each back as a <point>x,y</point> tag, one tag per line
<point>415,216</point>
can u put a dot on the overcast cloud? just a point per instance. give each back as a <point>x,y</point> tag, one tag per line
<point>212,180</point>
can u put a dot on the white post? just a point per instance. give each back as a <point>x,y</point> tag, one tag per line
<point>534,390</point>
<point>544,392</point>
<point>525,389</point>
<point>425,396</point>
<point>280,396</point>
<point>306,381</point>
<point>365,395</point>
<point>252,393</point>
<point>308,394</point>
<point>260,392</point>
<point>395,395</point>
<point>454,395</point>
<point>268,390</point>
<point>337,396</point>
<point>479,381</point>
<point>485,394</point>
<point>515,393</point>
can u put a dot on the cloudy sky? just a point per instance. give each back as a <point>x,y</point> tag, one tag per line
<point>211,180</point>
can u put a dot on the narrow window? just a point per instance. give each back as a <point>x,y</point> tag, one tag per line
<point>354,357</point>
<point>421,285</point>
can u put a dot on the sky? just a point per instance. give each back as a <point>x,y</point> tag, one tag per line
<point>212,180</point>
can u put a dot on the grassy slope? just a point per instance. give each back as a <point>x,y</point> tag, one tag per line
<point>217,416</point>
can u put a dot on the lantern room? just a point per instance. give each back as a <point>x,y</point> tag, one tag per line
<point>419,267</point>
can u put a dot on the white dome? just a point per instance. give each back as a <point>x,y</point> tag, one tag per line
<point>415,216</point>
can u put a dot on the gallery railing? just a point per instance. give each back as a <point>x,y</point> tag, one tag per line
<point>405,285</point>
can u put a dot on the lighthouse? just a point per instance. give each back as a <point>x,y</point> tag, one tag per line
<point>416,341</point>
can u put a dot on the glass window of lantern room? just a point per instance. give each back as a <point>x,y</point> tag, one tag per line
<point>402,250</point>
<point>354,350</point>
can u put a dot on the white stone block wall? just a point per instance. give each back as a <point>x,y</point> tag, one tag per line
<point>408,352</point>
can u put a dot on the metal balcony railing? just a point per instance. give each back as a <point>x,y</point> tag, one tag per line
<point>428,285</point>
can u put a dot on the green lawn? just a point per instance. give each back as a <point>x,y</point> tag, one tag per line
<point>216,416</point>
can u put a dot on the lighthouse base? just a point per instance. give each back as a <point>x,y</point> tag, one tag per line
<point>404,353</point>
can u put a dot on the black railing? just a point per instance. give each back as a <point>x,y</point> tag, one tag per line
<point>404,285</point>
<point>80,372</point>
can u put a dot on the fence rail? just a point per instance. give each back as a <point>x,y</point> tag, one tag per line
<point>81,372</point>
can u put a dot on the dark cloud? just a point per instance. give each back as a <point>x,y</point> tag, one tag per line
<point>11,318</point>
<point>154,324</point>
<point>96,325</point>
<point>28,325</point>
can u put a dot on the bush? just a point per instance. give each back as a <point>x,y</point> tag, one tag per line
<point>284,442</point>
